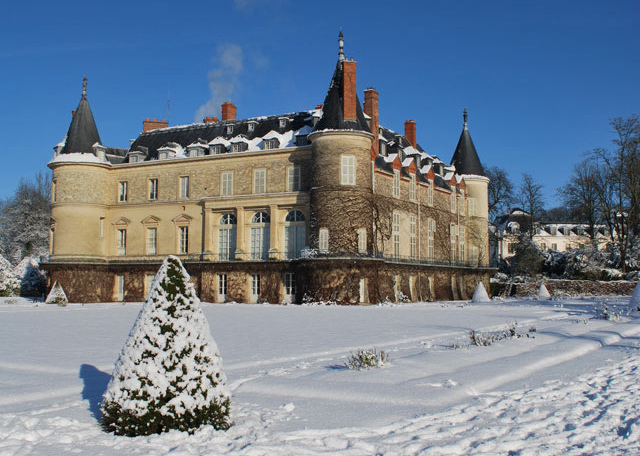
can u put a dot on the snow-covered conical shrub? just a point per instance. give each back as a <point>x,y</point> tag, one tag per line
<point>543,293</point>
<point>480,295</point>
<point>168,375</point>
<point>635,297</point>
<point>57,295</point>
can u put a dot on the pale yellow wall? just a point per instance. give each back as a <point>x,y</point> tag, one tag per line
<point>85,193</point>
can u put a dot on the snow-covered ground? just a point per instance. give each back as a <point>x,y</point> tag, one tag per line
<point>570,387</point>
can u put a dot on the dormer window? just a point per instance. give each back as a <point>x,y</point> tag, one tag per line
<point>283,122</point>
<point>165,154</point>
<point>251,126</point>
<point>217,149</point>
<point>383,148</point>
<point>229,129</point>
<point>239,147</point>
<point>271,144</point>
<point>302,140</point>
<point>196,152</point>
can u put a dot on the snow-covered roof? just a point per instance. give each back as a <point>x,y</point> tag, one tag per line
<point>77,157</point>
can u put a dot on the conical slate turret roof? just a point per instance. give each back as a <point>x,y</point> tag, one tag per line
<point>332,109</point>
<point>83,133</point>
<point>465,158</point>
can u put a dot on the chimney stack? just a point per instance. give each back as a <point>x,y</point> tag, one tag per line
<point>155,124</point>
<point>371,109</point>
<point>349,89</point>
<point>410,132</point>
<point>228,111</point>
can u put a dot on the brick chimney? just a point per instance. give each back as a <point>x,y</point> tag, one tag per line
<point>209,119</point>
<point>349,89</point>
<point>228,111</point>
<point>371,109</point>
<point>410,131</point>
<point>154,124</point>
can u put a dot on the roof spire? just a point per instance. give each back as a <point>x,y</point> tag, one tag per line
<point>464,116</point>
<point>341,44</point>
<point>84,87</point>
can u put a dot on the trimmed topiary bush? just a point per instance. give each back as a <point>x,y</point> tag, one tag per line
<point>57,295</point>
<point>168,375</point>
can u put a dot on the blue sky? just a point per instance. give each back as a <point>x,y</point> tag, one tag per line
<point>541,79</point>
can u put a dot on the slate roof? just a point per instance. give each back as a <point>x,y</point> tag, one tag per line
<point>83,133</point>
<point>465,158</point>
<point>332,113</point>
<point>149,142</point>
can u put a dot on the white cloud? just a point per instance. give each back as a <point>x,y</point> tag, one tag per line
<point>223,79</point>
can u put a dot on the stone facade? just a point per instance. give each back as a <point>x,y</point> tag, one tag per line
<point>292,208</point>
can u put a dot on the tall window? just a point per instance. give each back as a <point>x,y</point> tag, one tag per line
<point>453,231</point>
<point>431,233</point>
<point>255,287</point>
<point>152,241</point>
<point>293,178</point>
<point>430,194</point>
<point>323,240</point>
<point>412,188</point>
<point>461,242</point>
<point>396,183</point>
<point>148,282</point>
<point>53,191</point>
<point>222,287</point>
<point>120,288</point>
<point>260,181</point>
<point>412,237</point>
<point>227,237</point>
<point>473,206</point>
<point>461,205</point>
<point>184,187</point>
<point>101,227</point>
<point>395,234</point>
<point>226,183</point>
<point>153,189</point>
<point>362,240</point>
<point>123,191</point>
<point>294,234</point>
<point>289,286</point>
<point>183,240</point>
<point>452,200</point>
<point>259,245</point>
<point>122,242</point>
<point>348,175</point>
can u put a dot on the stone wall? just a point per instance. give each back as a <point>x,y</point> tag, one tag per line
<point>329,280</point>
<point>562,288</point>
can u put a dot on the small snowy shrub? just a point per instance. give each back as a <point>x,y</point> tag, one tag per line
<point>168,375</point>
<point>609,314</point>
<point>57,295</point>
<point>367,359</point>
<point>484,339</point>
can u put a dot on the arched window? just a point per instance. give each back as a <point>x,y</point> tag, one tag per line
<point>259,244</point>
<point>294,234</point>
<point>227,237</point>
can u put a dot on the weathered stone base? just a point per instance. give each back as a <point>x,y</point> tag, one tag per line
<point>340,281</point>
<point>566,288</point>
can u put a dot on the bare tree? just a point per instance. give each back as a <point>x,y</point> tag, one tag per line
<point>618,184</point>
<point>500,191</point>
<point>531,199</point>
<point>580,194</point>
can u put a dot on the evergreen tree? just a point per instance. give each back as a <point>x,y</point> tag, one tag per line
<point>168,375</point>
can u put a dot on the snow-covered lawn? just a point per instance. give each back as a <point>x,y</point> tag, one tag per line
<point>569,385</point>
